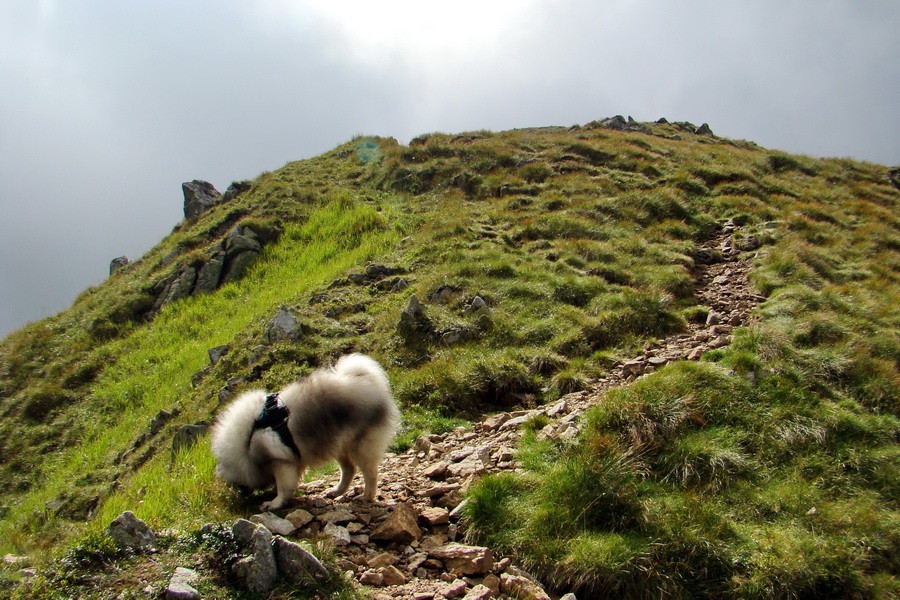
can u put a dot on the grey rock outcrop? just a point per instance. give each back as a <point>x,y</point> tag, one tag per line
<point>704,130</point>
<point>130,533</point>
<point>210,274</point>
<point>235,189</point>
<point>217,352</point>
<point>228,261</point>
<point>199,196</point>
<point>257,571</point>
<point>187,436</point>
<point>285,327</point>
<point>619,123</point>
<point>894,176</point>
<point>117,263</point>
<point>414,323</point>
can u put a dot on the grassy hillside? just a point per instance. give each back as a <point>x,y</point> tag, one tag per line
<point>540,258</point>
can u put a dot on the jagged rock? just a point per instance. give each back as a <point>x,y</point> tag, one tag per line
<point>385,559</point>
<point>299,518</point>
<point>713,318</point>
<point>704,130</point>
<point>181,287</point>
<point>161,418</point>
<point>240,243</point>
<point>618,123</point>
<point>468,560</point>
<point>438,470</point>
<point>380,271</point>
<point>454,589</point>
<point>492,582</point>
<point>400,526</point>
<point>435,515</point>
<point>187,436</point>
<point>180,587</point>
<point>894,176</point>
<point>296,564</point>
<point>130,533</point>
<point>237,266</point>
<point>522,587</point>
<point>494,422</point>
<point>391,575</point>
<point>199,196</point>
<point>338,516</point>
<point>477,304</point>
<point>479,592</point>
<point>210,274</point>
<point>274,523</point>
<point>339,535</point>
<point>117,263</point>
<point>235,189</point>
<point>257,571</point>
<point>747,244</point>
<point>707,256</point>
<point>217,352</point>
<point>633,368</point>
<point>285,327</point>
<point>414,323</point>
<point>371,577</point>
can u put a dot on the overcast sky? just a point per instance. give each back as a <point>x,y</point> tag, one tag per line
<point>107,106</point>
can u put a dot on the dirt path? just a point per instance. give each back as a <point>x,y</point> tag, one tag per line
<point>416,557</point>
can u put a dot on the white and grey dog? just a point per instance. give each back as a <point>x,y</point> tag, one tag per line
<point>344,413</point>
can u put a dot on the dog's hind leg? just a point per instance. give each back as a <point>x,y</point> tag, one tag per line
<point>369,470</point>
<point>348,470</point>
<point>287,476</point>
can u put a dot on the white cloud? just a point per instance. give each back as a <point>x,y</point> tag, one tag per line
<point>414,32</point>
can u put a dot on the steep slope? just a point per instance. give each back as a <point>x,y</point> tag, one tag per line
<point>542,262</point>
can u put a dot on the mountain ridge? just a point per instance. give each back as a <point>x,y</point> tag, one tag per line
<point>542,260</point>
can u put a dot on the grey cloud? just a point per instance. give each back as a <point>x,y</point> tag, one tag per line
<point>109,106</point>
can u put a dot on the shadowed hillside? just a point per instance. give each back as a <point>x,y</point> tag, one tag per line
<point>695,340</point>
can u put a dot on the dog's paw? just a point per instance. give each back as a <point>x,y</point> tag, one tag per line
<point>270,506</point>
<point>334,493</point>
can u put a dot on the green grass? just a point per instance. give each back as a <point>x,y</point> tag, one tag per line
<point>156,366</point>
<point>698,481</point>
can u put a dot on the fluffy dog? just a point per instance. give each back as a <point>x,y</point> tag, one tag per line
<point>344,413</point>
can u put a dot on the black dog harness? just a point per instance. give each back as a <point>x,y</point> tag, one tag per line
<point>274,416</point>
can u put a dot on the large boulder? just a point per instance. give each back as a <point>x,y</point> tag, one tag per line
<point>199,196</point>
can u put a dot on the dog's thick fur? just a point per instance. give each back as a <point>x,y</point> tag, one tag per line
<point>344,413</point>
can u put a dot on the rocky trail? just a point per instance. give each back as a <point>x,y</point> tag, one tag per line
<point>411,543</point>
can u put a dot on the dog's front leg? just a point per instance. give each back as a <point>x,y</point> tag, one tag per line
<point>287,476</point>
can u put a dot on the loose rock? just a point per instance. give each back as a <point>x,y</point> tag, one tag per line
<point>468,560</point>
<point>297,564</point>
<point>400,527</point>
<point>180,587</point>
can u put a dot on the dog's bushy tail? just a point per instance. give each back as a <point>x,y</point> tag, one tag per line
<point>360,365</point>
